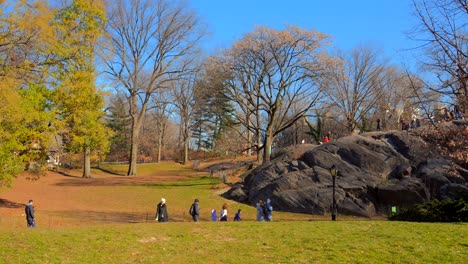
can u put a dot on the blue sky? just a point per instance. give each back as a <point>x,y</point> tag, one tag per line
<point>380,23</point>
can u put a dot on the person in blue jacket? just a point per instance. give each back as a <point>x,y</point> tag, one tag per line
<point>269,210</point>
<point>237,217</point>
<point>214,216</point>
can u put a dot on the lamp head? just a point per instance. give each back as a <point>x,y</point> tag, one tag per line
<point>334,171</point>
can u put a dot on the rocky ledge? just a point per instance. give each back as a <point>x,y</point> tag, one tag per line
<point>375,172</point>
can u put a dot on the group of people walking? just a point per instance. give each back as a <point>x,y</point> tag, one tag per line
<point>264,212</point>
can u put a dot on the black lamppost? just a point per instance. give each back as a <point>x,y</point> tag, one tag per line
<point>334,173</point>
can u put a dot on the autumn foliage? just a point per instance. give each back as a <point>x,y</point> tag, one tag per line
<point>450,139</point>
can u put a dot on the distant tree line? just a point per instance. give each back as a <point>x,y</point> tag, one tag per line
<point>128,81</point>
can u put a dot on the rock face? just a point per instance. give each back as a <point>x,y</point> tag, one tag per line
<point>375,171</point>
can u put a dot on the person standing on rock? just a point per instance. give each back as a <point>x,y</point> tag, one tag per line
<point>29,211</point>
<point>161,211</point>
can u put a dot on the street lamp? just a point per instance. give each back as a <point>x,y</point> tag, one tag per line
<point>334,173</point>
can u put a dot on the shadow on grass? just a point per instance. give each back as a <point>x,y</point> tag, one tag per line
<point>110,217</point>
<point>203,181</point>
<point>154,181</point>
<point>109,171</point>
<point>67,174</point>
<point>105,217</point>
<point>9,204</point>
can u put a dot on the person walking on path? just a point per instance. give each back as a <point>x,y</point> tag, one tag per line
<point>29,211</point>
<point>237,217</point>
<point>269,209</point>
<point>194,211</point>
<point>260,216</point>
<point>161,211</point>
<point>214,216</point>
<point>223,215</point>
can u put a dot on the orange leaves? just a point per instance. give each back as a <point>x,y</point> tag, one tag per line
<point>451,140</point>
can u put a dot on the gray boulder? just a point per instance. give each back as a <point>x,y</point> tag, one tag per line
<point>376,171</point>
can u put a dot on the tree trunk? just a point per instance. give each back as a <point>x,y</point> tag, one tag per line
<point>186,150</point>
<point>249,143</point>
<point>132,171</point>
<point>259,143</point>
<point>137,120</point>
<point>351,126</point>
<point>87,163</point>
<point>259,134</point>
<point>159,147</point>
<point>186,140</point>
<point>267,147</point>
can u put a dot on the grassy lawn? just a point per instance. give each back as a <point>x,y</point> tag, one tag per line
<point>240,242</point>
<point>111,220</point>
<point>163,168</point>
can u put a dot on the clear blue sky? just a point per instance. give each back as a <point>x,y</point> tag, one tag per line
<point>381,23</point>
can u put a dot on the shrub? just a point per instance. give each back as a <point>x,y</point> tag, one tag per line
<point>436,211</point>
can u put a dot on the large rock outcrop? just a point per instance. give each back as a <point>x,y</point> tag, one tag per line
<point>376,171</point>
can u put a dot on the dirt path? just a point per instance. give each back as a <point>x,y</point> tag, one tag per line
<point>64,198</point>
<point>58,194</point>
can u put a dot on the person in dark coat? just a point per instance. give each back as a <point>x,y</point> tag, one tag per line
<point>237,217</point>
<point>194,211</point>
<point>29,211</point>
<point>269,210</point>
<point>161,211</point>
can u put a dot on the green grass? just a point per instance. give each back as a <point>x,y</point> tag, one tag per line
<point>116,225</point>
<point>240,242</point>
<point>163,168</point>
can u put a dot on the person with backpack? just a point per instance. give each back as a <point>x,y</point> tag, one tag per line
<point>194,211</point>
<point>161,211</point>
<point>269,210</point>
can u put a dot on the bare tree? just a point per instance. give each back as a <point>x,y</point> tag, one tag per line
<point>443,28</point>
<point>355,84</point>
<point>184,93</point>
<point>272,79</point>
<point>148,40</point>
<point>163,108</point>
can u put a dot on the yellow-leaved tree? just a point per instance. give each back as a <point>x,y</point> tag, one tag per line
<point>79,101</point>
<point>24,63</point>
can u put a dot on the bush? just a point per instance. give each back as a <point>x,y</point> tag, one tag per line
<point>436,211</point>
<point>450,140</point>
